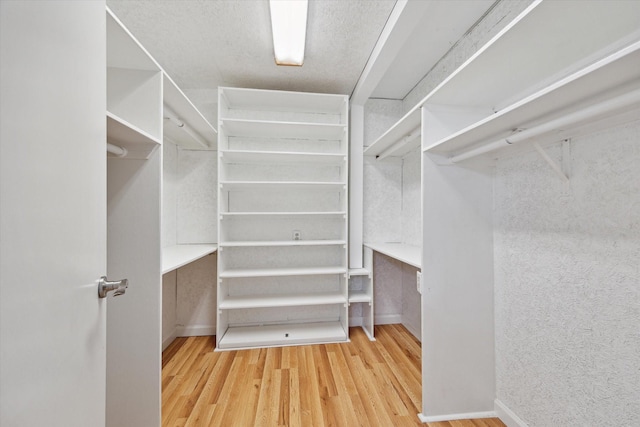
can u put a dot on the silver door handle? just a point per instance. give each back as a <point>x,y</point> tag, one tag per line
<point>104,287</point>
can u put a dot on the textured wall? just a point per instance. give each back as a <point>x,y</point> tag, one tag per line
<point>379,116</point>
<point>567,289</point>
<point>503,12</point>
<point>189,206</point>
<point>411,199</point>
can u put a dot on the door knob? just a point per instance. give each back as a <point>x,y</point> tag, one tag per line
<point>105,286</point>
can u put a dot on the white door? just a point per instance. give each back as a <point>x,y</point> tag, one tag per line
<point>52,213</point>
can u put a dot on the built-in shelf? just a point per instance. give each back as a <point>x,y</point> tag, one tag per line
<point>282,335</point>
<point>266,243</point>
<point>280,185</point>
<point>359,272</point>
<point>277,129</point>
<point>184,125</point>
<point>275,157</point>
<point>136,141</point>
<point>176,256</point>
<point>288,300</point>
<point>282,214</point>
<point>274,272</point>
<point>359,296</point>
<point>615,75</point>
<point>409,254</point>
<point>559,69</point>
<point>272,100</point>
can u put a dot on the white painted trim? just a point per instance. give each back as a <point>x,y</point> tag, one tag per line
<point>414,331</point>
<point>452,417</point>
<point>195,330</point>
<point>507,416</point>
<point>387,319</point>
<point>167,341</point>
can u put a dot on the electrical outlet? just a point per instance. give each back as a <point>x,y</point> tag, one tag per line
<point>419,281</point>
<point>297,235</point>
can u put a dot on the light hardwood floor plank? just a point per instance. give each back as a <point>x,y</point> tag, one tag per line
<point>359,383</point>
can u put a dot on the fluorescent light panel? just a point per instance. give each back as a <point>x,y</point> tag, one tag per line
<point>289,28</point>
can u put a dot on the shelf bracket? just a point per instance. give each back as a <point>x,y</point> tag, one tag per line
<point>554,165</point>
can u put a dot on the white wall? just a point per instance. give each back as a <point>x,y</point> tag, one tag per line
<point>567,289</point>
<point>189,206</point>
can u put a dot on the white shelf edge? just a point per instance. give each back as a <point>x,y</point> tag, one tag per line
<point>282,243</point>
<point>289,300</point>
<point>176,256</point>
<point>530,100</point>
<point>279,214</point>
<point>408,254</point>
<point>284,123</point>
<point>179,104</point>
<point>280,184</point>
<point>359,272</point>
<point>275,272</point>
<point>282,335</point>
<point>139,143</point>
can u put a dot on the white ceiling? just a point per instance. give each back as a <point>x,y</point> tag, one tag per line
<point>205,44</point>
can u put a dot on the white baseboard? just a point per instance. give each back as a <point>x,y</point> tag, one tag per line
<point>453,417</point>
<point>172,336</point>
<point>387,319</point>
<point>507,416</point>
<point>414,331</point>
<point>195,330</point>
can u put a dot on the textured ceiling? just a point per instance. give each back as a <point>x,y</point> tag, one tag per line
<point>206,44</point>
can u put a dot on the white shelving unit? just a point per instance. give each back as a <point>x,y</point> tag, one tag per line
<point>282,260</point>
<point>361,292</point>
<point>409,254</point>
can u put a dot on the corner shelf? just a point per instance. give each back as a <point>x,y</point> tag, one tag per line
<point>407,254</point>
<point>276,100</point>
<point>174,257</point>
<point>407,125</point>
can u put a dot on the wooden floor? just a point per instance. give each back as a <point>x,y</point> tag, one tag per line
<point>360,383</point>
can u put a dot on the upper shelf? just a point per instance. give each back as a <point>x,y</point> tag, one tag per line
<point>616,75</point>
<point>183,123</point>
<point>271,100</point>
<point>138,143</point>
<point>544,46</point>
<point>404,128</point>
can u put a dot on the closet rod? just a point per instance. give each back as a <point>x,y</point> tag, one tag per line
<point>118,151</point>
<point>586,114</point>
<point>173,118</point>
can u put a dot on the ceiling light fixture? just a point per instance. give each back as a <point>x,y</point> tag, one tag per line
<point>289,28</point>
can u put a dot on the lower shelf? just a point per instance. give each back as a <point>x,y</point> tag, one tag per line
<point>282,335</point>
